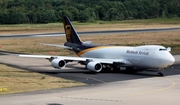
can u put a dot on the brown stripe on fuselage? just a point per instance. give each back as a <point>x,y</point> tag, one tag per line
<point>93,48</point>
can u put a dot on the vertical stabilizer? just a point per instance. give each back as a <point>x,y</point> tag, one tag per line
<point>71,35</point>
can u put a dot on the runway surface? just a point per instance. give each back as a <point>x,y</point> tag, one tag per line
<point>91,32</point>
<point>142,88</point>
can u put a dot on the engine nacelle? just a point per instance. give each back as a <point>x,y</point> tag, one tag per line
<point>94,66</point>
<point>58,63</point>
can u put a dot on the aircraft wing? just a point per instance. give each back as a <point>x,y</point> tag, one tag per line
<point>69,58</point>
<point>55,57</point>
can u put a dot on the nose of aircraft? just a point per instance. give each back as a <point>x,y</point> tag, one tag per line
<point>166,60</point>
<point>170,60</point>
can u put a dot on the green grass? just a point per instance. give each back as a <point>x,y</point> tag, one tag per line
<point>49,25</point>
<point>174,20</point>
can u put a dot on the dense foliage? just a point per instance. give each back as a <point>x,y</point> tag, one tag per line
<point>45,11</point>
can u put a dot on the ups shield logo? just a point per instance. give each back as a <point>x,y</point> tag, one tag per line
<point>68,31</point>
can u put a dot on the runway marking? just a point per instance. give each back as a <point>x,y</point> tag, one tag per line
<point>88,78</point>
<point>158,90</point>
<point>91,99</point>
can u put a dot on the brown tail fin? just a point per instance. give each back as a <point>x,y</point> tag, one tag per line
<point>71,35</point>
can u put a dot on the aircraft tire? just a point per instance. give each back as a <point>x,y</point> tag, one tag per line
<point>160,74</point>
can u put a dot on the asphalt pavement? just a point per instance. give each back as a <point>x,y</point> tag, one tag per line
<point>91,32</point>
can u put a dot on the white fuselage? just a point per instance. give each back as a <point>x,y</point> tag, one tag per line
<point>148,56</point>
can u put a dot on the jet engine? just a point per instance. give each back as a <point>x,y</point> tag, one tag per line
<point>58,63</point>
<point>94,66</point>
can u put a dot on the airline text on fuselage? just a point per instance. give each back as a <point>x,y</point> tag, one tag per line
<point>137,52</point>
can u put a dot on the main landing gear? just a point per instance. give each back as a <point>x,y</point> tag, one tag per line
<point>160,73</point>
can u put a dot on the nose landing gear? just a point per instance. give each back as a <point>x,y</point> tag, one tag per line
<point>160,73</point>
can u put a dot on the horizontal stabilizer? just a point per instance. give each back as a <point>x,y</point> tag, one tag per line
<point>56,45</point>
<point>87,42</point>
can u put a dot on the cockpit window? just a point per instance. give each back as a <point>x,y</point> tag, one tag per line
<point>165,49</point>
<point>162,49</point>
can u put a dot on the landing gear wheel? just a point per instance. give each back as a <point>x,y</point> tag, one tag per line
<point>160,74</point>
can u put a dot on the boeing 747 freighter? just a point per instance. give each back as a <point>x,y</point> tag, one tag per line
<point>98,57</point>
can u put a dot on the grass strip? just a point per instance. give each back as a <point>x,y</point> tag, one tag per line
<point>14,80</point>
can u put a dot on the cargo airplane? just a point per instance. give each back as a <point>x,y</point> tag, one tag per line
<point>99,57</point>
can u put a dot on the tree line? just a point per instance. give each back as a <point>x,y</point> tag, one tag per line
<point>46,11</point>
